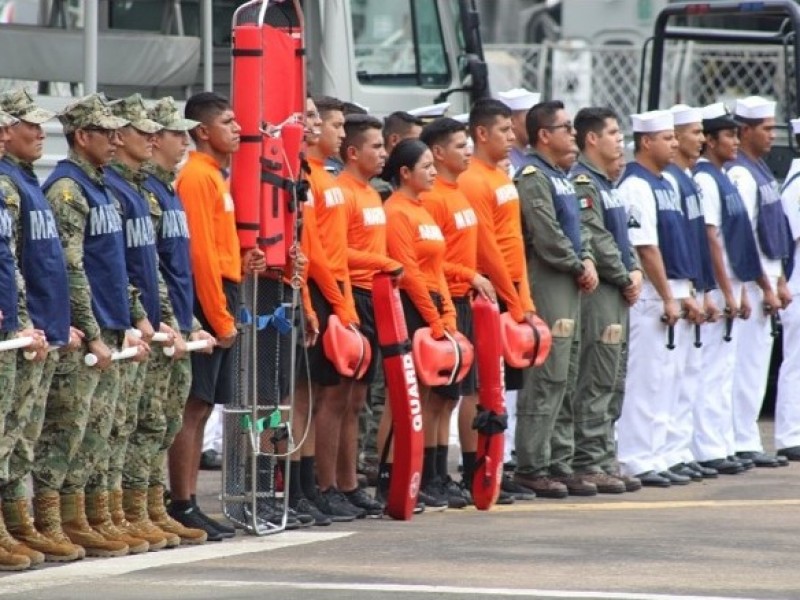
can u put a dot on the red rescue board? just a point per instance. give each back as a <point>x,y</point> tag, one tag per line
<point>491,419</point>
<point>403,391</point>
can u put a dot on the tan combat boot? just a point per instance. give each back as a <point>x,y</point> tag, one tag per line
<point>9,544</point>
<point>134,505</point>
<point>20,526</point>
<point>13,562</point>
<point>78,530</point>
<point>47,520</point>
<point>100,518</point>
<point>160,517</point>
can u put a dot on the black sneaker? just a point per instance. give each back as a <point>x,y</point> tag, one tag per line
<point>432,497</point>
<point>193,518</point>
<point>419,507</point>
<point>451,490</point>
<point>226,530</point>
<point>270,516</point>
<point>361,499</point>
<point>515,490</point>
<point>504,498</point>
<point>335,506</point>
<point>304,506</point>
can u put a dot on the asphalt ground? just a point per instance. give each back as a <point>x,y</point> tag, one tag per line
<point>734,537</point>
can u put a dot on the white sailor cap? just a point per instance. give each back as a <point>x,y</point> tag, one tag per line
<point>755,107</point>
<point>684,114</point>
<point>462,118</point>
<point>716,117</point>
<point>653,121</point>
<point>795,126</point>
<point>519,98</point>
<point>430,112</point>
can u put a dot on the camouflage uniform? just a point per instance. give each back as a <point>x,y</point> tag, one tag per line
<point>82,399</point>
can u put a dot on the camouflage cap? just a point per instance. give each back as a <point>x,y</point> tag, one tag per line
<point>166,113</point>
<point>89,112</point>
<point>19,103</point>
<point>132,109</point>
<point>7,120</point>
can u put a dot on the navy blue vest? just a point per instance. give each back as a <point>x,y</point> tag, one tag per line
<point>41,258</point>
<point>141,256</point>
<point>568,210</point>
<point>9,295</point>
<point>615,217</point>
<point>693,209</point>
<point>773,236</point>
<point>740,243</point>
<point>673,228</point>
<point>173,251</point>
<point>103,249</point>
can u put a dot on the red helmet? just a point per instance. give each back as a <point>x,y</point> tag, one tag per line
<point>441,362</point>
<point>525,344</point>
<point>346,348</point>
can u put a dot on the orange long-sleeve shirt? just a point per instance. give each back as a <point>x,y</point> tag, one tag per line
<point>414,240</point>
<point>366,232</point>
<point>501,251</point>
<point>327,242</point>
<point>213,242</point>
<point>452,212</point>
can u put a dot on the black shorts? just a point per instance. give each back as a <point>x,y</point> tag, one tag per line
<point>313,363</point>
<point>213,375</point>
<point>366,315</point>
<point>513,376</point>
<point>464,324</point>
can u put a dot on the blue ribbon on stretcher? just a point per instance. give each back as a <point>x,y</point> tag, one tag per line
<point>277,319</point>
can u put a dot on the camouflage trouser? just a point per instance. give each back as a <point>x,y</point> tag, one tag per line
<point>146,439</point>
<point>8,369</point>
<point>87,468</point>
<point>27,418</point>
<point>126,416</point>
<point>180,381</point>
<point>69,406</point>
<point>371,417</point>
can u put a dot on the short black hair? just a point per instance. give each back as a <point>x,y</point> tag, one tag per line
<point>637,140</point>
<point>749,122</point>
<point>400,123</point>
<point>326,104</point>
<point>204,107</point>
<point>355,126</point>
<point>541,116</point>
<point>591,119</point>
<point>351,108</point>
<point>484,112</point>
<point>440,130</point>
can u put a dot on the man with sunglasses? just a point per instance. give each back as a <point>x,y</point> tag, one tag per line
<point>560,262</point>
<point>82,399</point>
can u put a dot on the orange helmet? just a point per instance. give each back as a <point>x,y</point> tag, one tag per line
<point>346,348</point>
<point>525,344</point>
<point>441,362</point>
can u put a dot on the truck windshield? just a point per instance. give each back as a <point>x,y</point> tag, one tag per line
<point>399,43</point>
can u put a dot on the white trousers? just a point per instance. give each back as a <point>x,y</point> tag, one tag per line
<point>212,436</point>
<point>650,389</point>
<point>787,406</point>
<point>689,374</point>
<point>750,376</point>
<point>511,411</point>
<point>713,436</point>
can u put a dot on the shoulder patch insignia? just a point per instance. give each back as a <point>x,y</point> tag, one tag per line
<point>528,170</point>
<point>634,218</point>
<point>586,202</point>
<point>582,178</point>
<point>66,195</point>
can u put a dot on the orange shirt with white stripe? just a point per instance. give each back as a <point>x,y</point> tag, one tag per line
<point>366,232</point>
<point>213,241</point>
<point>327,242</point>
<point>414,239</point>
<point>456,218</point>
<point>501,251</point>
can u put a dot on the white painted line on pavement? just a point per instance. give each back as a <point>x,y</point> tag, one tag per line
<point>434,589</point>
<point>84,571</point>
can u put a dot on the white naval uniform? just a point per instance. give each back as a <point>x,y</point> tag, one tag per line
<point>787,405</point>
<point>713,417</point>
<point>651,385</point>
<point>752,358</point>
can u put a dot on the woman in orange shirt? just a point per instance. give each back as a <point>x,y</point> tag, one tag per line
<point>415,241</point>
